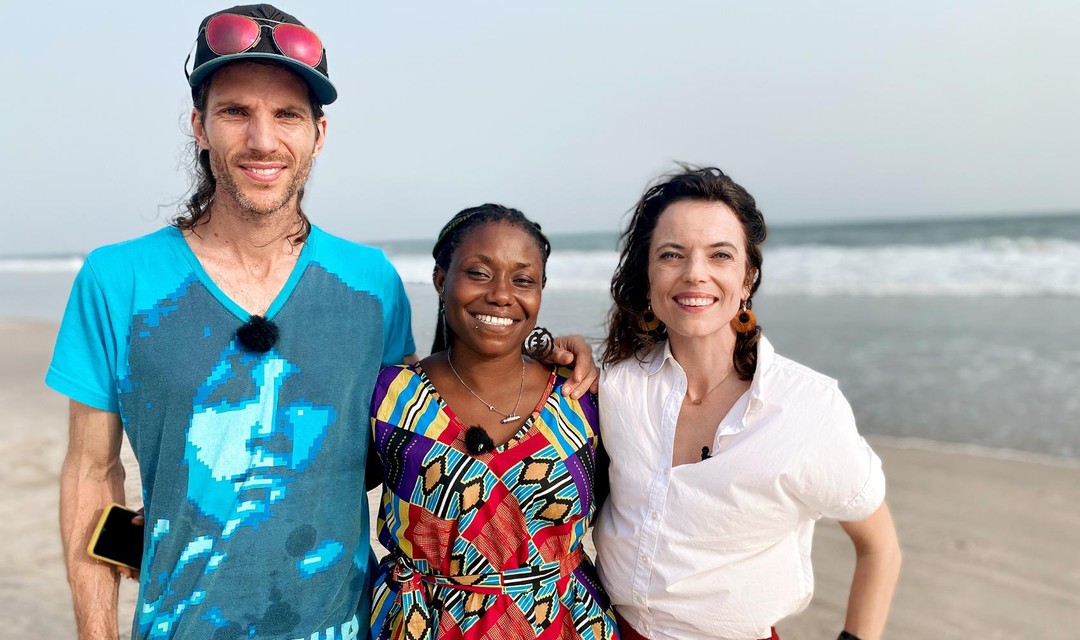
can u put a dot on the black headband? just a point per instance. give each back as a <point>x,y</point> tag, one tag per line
<point>450,226</point>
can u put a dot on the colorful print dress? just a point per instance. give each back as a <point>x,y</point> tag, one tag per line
<point>484,546</point>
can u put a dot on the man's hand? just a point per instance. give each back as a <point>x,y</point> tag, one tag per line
<point>139,521</point>
<point>574,351</point>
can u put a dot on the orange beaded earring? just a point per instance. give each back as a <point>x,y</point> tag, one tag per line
<point>745,320</point>
<point>648,321</point>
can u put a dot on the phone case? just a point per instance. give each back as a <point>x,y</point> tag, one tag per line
<point>90,548</point>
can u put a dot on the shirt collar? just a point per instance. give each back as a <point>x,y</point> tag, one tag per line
<point>766,355</point>
<point>656,358</point>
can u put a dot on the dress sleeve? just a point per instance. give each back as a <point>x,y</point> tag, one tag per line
<point>843,479</point>
<point>83,365</point>
<point>601,485</point>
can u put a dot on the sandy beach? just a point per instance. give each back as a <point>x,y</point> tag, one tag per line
<point>989,540</point>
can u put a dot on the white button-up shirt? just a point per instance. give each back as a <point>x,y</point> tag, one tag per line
<point>721,548</point>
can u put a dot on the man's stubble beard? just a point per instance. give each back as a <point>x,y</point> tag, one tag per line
<point>250,209</point>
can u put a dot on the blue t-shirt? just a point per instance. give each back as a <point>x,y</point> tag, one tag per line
<point>252,464</point>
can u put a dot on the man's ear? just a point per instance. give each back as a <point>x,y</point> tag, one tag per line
<point>320,136</point>
<point>198,130</point>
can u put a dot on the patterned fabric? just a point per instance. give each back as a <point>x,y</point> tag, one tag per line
<point>485,546</point>
<point>256,523</point>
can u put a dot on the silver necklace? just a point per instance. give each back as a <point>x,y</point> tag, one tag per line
<point>507,417</point>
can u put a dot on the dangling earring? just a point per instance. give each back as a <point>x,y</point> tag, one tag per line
<point>648,322</point>
<point>745,320</point>
<point>442,321</point>
<point>538,344</point>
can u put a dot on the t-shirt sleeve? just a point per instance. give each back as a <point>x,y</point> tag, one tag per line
<point>843,479</point>
<point>83,366</point>
<point>397,321</point>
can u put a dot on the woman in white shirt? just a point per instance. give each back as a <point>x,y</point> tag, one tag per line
<point>723,453</point>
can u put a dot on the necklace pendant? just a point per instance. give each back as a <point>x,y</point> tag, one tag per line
<point>510,418</point>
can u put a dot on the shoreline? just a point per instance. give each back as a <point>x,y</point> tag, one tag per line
<point>974,450</point>
<point>987,534</point>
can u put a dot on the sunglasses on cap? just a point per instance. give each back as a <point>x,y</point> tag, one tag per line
<point>229,34</point>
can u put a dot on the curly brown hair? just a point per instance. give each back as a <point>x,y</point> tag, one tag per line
<point>630,284</point>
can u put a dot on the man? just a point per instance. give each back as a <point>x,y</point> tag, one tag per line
<point>238,349</point>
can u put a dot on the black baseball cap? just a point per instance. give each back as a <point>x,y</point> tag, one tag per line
<point>207,60</point>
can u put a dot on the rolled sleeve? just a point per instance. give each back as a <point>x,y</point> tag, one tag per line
<point>870,496</point>
<point>843,478</point>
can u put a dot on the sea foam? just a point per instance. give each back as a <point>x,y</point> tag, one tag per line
<point>45,264</point>
<point>985,267</point>
<point>996,266</point>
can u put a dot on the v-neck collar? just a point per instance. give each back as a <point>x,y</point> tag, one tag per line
<point>183,249</point>
<point>524,430</point>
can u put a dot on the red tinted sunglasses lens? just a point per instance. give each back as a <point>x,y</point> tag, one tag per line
<point>299,43</point>
<point>227,34</point>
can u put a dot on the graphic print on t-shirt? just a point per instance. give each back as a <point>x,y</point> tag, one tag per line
<point>255,429</point>
<point>243,452</point>
<point>252,465</point>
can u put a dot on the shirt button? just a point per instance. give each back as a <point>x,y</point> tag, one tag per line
<point>644,559</point>
<point>654,516</point>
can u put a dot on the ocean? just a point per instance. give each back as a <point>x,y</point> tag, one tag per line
<point>955,331</point>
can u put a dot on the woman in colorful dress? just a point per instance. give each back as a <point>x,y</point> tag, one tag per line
<point>723,452</point>
<point>489,469</point>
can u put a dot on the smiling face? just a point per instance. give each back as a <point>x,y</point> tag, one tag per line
<point>698,269</point>
<point>492,289</point>
<point>244,451</point>
<point>262,136</point>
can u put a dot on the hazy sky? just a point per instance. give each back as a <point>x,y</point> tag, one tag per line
<point>824,111</point>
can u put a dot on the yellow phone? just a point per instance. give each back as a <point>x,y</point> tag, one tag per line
<point>117,540</point>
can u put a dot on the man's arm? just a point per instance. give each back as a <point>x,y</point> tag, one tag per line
<point>92,477</point>
<point>877,569</point>
<point>573,351</point>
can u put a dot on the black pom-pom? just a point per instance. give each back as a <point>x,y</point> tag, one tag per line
<point>477,441</point>
<point>258,334</point>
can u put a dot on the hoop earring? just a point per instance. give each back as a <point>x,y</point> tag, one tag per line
<point>648,322</point>
<point>744,321</point>
<point>538,344</point>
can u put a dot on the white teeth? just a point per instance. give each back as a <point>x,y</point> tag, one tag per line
<point>499,322</point>
<point>263,172</point>
<point>694,302</point>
